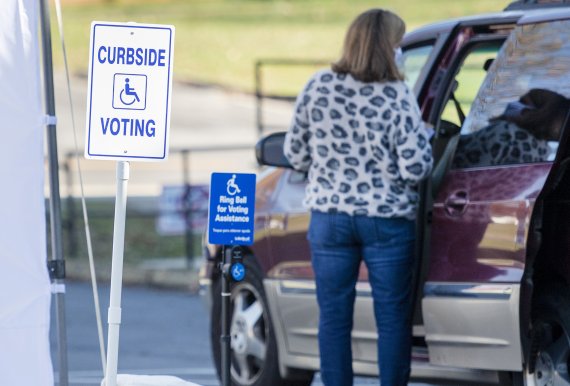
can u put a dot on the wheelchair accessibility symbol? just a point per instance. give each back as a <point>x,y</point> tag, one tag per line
<point>232,187</point>
<point>129,91</point>
<point>238,271</point>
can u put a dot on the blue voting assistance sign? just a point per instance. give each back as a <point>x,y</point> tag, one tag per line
<point>232,206</point>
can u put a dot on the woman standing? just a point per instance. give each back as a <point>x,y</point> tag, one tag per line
<point>357,130</point>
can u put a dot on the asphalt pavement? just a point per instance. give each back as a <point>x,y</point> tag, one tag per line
<point>163,332</point>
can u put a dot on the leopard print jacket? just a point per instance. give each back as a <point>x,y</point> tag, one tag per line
<point>363,144</point>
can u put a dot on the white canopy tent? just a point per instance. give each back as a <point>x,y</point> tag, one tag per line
<point>24,281</point>
<point>25,289</point>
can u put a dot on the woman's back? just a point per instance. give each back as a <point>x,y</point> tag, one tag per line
<point>362,144</point>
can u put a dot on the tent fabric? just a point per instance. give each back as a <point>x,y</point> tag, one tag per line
<point>24,283</point>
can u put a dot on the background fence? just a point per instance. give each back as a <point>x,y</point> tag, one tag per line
<point>166,208</point>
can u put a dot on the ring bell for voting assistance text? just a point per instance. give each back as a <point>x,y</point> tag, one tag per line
<point>232,205</point>
<point>129,95</point>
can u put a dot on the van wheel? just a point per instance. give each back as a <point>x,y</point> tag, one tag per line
<point>551,317</point>
<point>254,358</point>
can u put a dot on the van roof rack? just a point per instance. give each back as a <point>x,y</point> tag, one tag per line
<point>536,4</point>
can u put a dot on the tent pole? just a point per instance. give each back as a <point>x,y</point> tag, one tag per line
<point>57,270</point>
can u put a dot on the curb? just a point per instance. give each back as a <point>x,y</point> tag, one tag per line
<point>171,273</point>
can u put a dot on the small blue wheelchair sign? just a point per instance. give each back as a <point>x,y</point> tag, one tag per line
<point>238,271</point>
<point>129,91</point>
<point>231,211</point>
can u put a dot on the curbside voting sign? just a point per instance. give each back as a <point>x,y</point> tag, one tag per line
<point>232,206</point>
<point>129,91</point>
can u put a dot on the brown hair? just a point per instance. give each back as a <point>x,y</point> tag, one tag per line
<point>368,53</point>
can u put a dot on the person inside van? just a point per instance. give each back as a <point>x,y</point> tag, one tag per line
<point>519,135</point>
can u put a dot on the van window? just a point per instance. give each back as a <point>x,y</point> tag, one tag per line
<point>414,59</point>
<point>468,80</point>
<point>518,112</point>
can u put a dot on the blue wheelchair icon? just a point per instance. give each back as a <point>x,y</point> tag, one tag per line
<point>130,92</point>
<point>238,271</point>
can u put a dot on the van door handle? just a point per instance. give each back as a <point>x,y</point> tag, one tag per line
<point>456,203</point>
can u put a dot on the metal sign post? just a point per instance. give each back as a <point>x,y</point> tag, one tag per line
<point>231,223</point>
<point>225,338</point>
<point>232,269</point>
<point>114,316</point>
<point>128,119</point>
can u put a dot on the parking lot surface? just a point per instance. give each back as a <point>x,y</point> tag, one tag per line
<point>163,332</point>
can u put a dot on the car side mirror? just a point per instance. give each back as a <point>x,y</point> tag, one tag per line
<point>269,151</point>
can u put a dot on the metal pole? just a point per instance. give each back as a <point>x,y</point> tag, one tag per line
<point>55,199</point>
<point>188,232</point>
<point>225,338</point>
<point>70,223</point>
<point>258,98</point>
<point>114,317</point>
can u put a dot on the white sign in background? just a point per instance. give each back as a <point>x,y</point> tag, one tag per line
<point>129,91</point>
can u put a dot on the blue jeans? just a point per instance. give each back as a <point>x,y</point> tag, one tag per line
<point>338,243</point>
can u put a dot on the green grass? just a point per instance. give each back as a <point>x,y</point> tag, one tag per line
<point>218,41</point>
<point>141,236</point>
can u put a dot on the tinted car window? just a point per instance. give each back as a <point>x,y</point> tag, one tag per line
<point>468,80</point>
<point>414,60</point>
<point>534,57</point>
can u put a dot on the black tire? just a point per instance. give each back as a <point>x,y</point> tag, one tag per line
<point>511,378</point>
<point>254,354</point>
<point>551,323</point>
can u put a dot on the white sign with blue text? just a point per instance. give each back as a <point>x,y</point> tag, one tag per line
<point>129,91</point>
<point>232,206</point>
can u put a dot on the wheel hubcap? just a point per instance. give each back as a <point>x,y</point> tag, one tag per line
<point>239,337</point>
<point>543,374</point>
<point>248,334</point>
<point>552,363</point>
